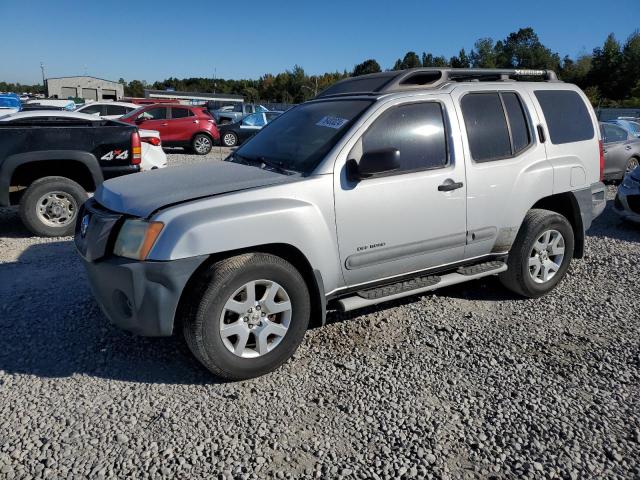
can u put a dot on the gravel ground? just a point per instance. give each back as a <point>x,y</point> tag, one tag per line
<point>469,382</point>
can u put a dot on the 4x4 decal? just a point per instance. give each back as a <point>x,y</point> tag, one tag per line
<point>117,154</point>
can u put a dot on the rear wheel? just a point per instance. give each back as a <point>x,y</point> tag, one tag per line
<point>229,139</point>
<point>540,256</point>
<point>632,163</point>
<point>201,144</point>
<point>248,315</point>
<point>49,207</point>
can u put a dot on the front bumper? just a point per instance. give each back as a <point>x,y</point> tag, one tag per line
<point>627,202</point>
<point>140,296</point>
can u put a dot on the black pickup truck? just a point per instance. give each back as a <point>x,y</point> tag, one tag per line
<point>49,161</point>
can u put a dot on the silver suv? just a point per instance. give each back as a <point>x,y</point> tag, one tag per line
<point>385,186</point>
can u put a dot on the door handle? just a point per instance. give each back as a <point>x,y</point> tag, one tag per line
<point>628,147</point>
<point>449,185</point>
<point>196,121</point>
<point>164,124</point>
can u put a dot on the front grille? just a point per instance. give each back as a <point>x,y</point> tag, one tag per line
<point>99,234</point>
<point>634,203</point>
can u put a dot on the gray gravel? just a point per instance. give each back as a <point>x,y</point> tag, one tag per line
<point>469,382</point>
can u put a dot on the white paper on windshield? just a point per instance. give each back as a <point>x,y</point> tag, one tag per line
<point>332,122</point>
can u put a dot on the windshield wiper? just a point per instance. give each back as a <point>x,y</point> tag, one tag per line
<point>263,162</point>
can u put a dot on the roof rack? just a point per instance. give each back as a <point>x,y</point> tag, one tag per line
<point>421,78</point>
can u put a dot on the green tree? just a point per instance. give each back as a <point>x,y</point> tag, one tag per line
<point>461,61</point>
<point>606,68</point>
<point>523,49</point>
<point>483,54</point>
<point>368,66</point>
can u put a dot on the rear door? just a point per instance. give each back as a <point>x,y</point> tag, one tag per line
<point>506,169</point>
<point>182,125</point>
<point>402,222</point>
<point>616,150</point>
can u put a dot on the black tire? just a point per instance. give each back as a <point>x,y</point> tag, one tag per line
<point>34,193</point>
<point>517,278</point>
<point>632,163</point>
<point>206,301</point>
<point>201,144</point>
<point>229,139</point>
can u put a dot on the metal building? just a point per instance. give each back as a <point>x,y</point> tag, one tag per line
<point>89,88</point>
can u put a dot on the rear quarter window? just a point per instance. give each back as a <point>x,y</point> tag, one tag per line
<point>567,117</point>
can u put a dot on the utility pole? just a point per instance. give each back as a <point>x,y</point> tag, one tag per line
<point>44,82</point>
<point>214,79</point>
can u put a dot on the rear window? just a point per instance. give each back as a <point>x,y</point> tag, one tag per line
<point>567,116</point>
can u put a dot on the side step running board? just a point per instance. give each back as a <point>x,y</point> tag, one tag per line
<point>387,293</point>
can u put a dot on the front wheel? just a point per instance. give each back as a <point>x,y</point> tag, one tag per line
<point>540,255</point>
<point>248,315</point>
<point>201,144</point>
<point>49,207</point>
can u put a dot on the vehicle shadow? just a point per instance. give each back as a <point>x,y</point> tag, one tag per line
<point>10,224</point>
<point>610,225</point>
<point>52,327</point>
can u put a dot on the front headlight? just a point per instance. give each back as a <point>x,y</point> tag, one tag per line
<point>136,237</point>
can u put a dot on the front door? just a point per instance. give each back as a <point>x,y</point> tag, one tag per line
<point>155,118</point>
<point>251,124</point>
<point>412,218</point>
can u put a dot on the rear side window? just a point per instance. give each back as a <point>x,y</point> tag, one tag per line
<point>92,110</point>
<point>180,113</point>
<point>486,127</point>
<point>567,116</point>
<point>518,124</point>
<point>611,134</point>
<point>116,110</point>
<point>417,130</point>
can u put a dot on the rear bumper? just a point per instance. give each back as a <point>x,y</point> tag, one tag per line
<point>140,296</point>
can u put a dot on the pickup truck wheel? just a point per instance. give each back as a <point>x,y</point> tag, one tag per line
<point>540,256</point>
<point>248,314</point>
<point>230,139</point>
<point>201,144</point>
<point>50,205</point>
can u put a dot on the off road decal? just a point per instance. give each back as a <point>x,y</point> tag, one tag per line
<point>117,154</point>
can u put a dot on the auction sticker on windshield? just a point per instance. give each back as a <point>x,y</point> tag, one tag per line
<point>332,122</point>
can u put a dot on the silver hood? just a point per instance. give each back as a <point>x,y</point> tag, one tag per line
<point>141,194</point>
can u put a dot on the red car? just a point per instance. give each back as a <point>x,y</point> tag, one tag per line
<point>179,125</point>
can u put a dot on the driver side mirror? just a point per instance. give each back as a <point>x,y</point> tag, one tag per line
<point>140,119</point>
<point>374,163</point>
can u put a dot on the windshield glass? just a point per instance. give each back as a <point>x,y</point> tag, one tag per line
<point>298,139</point>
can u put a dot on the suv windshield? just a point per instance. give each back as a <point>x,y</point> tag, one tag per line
<point>298,139</point>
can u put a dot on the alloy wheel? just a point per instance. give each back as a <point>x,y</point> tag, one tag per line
<point>546,256</point>
<point>255,318</point>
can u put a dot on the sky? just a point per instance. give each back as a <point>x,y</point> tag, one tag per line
<point>157,39</point>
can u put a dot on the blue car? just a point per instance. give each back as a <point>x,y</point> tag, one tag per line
<point>9,103</point>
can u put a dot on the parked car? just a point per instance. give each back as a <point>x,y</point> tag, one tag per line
<point>111,110</point>
<point>233,134</point>
<point>631,126</point>
<point>153,156</point>
<point>621,151</point>
<point>351,201</point>
<point>9,103</point>
<point>627,201</point>
<point>49,104</point>
<point>50,160</point>
<point>179,125</point>
<point>235,113</point>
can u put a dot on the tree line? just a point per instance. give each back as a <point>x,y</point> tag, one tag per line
<point>609,75</point>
